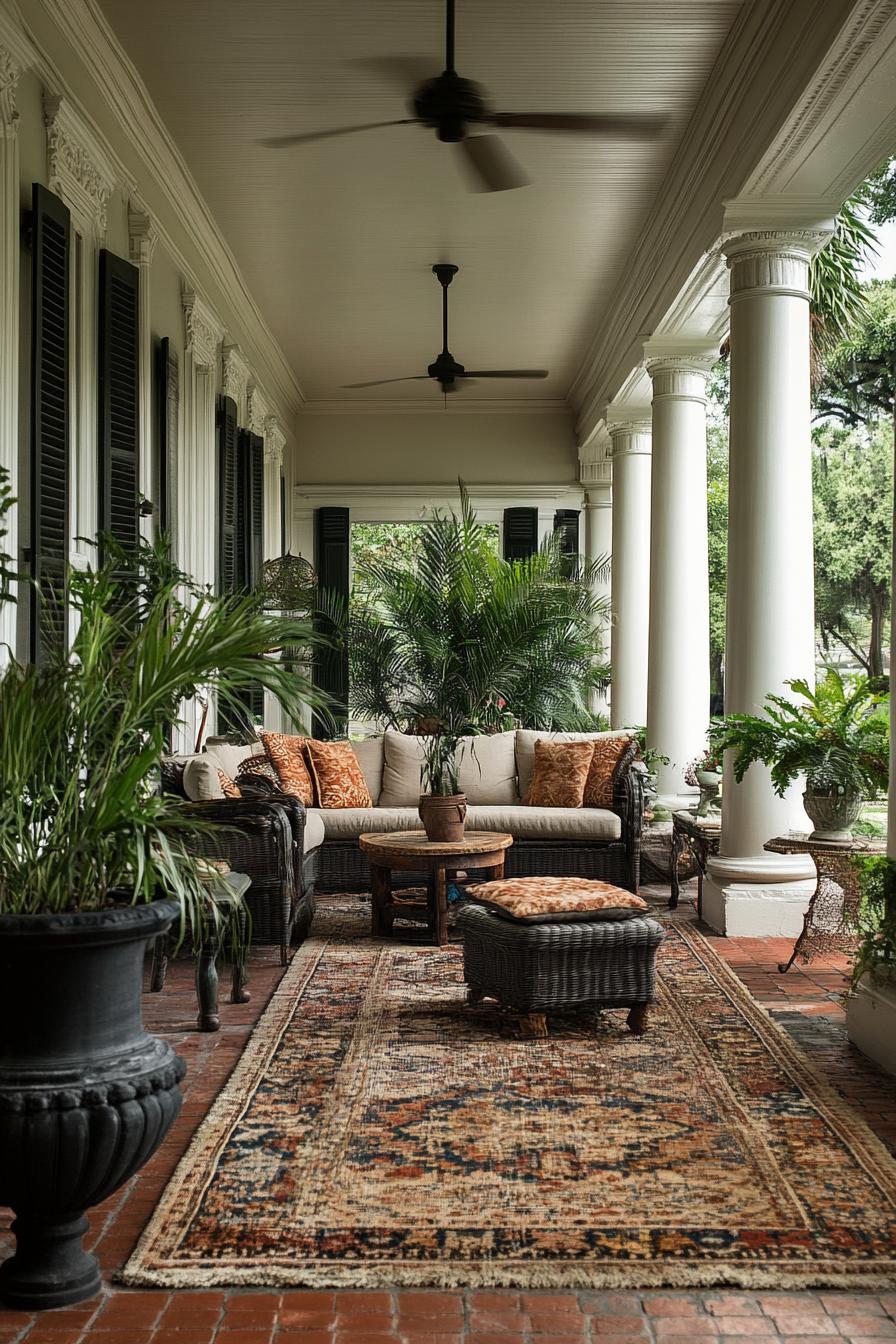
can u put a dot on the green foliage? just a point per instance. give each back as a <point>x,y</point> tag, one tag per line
<point>876,922</point>
<point>717,519</point>
<point>838,296</point>
<point>465,640</point>
<point>439,772</point>
<point>858,380</point>
<point>879,193</point>
<point>853,505</point>
<point>839,737</point>
<point>81,821</point>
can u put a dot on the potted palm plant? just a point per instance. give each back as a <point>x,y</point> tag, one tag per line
<point>837,736</point>
<point>94,864</point>
<point>443,808</point>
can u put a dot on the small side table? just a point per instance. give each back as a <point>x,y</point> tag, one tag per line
<point>411,852</point>
<point>836,896</point>
<point>699,836</point>
<point>226,894</point>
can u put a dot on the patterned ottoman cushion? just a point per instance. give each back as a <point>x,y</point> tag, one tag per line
<point>553,900</point>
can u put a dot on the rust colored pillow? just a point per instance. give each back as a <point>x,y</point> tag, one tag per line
<point>338,779</point>
<point>287,756</point>
<point>599,784</point>
<point>560,774</point>
<point>539,900</point>
<point>229,787</point>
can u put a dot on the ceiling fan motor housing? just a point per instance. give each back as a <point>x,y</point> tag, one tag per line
<point>447,103</point>
<point>445,369</point>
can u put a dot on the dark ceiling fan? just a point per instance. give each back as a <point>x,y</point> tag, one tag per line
<point>445,369</point>
<point>453,107</point>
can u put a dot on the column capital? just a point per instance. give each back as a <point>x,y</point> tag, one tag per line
<point>629,428</point>
<point>10,70</point>
<point>679,368</point>
<point>769,241</point>
<point>236,374</point>
<point>274,440</point>
<point>257,409</point>
<point>595,468</point>
<point>77,168</point>
<point>204,331</point>
<point>142,236</point>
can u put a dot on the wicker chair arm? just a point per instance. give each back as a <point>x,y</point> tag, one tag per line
<point>253,835</point>
<point>628,803</point>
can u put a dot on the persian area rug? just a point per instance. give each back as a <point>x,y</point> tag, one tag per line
<point>378,1131</point>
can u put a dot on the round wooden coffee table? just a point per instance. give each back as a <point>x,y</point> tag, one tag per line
<point>411,852</point>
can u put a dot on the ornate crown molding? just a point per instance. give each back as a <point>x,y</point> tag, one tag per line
<point>237,374</point>
<point>77,169</point>
<point>10,70</point>
<point>274,440</point>
<point>204,332</point>
<point>142,235</point>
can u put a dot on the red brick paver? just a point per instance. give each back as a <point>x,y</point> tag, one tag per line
<point>808,1001</point>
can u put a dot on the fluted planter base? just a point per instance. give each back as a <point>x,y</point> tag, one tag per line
<point>86,1095</point>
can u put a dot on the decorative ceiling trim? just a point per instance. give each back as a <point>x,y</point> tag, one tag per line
<point>78,170</point>
<point>92,39</point>
<point>457,404</point>
<point>203,330</point>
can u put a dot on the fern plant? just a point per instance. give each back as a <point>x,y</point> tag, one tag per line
<point>876,919</point>
<point>838,737</point>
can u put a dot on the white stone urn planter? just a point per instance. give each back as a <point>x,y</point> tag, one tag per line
<point>871,1020</point>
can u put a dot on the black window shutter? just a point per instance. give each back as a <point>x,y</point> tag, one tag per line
<point>119,399</point>
<point>50,411</point>
<point>331,550</point>
<point>167,398</point>
<point>228,485</point>
<point>520,533</point>
<point>566,522</point>
<point>250,508</point>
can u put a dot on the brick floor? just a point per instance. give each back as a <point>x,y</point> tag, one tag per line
<point>808,1004</point>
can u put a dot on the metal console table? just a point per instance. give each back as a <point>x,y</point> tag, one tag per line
<point>698,836</point>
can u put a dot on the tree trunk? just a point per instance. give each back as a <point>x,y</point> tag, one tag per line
<point>876,638</point>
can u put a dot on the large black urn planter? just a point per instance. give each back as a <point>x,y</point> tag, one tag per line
<point>86,1095</point>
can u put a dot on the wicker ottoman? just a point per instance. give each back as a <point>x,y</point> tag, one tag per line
<point>541,968</point>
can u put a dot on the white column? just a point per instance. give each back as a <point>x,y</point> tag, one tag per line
<point>142,243</point>
<point>630,582</point>
<point>9,320</point>
<point>770,620</point>
<point>678,656</point>
<point>274,443</point>
<point>595,477</point>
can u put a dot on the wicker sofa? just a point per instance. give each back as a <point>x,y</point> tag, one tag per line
<point>495,773</point>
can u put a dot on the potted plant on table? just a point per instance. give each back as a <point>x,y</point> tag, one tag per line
<point>837,735</point>
<point>442,807</point>
<point>95,864</point>
<point>705,773</point>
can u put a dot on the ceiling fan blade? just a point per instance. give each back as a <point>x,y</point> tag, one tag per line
<point>381,382</point>
<point>631,127</point>
<point>504,373</point>
<point>492,166</point>
<point>284,141</point>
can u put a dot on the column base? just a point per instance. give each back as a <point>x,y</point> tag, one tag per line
<point>763,896</point>
<point>871,1021</point>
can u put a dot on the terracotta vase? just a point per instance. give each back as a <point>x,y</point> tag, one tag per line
<point>443,816</point>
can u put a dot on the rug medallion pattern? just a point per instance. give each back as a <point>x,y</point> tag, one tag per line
<point>378,1131</point>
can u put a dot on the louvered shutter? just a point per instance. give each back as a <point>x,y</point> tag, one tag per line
<point>119,398</point>
<point>228,480</point>
<point>250,508</point>
<point>167,399</point>
<point>331,549</point>
<point>50,410</point>
<point>520,533</point>
<point>566,522</point>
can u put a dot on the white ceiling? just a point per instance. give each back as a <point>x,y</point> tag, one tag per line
<point>336,239</point>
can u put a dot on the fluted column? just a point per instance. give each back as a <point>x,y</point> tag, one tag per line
<point>9,318</point>
<point>595,476</point>
<point>630,575</point>
<point>770,619</point>
<point>142,243</point>
<point>678,654</point>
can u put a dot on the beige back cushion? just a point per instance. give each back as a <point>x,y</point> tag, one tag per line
<point>402,758</point>
<point>488,769</point>
<point>525,748</point>
<point>230,757</point>
<point>369,751</point>
<point>201,780</point>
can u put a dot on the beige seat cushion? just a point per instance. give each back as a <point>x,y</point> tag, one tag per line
<point>525,748</point>
<point>347,823</point>
<point>402,759</point>
<point>487,768</point>
<point>547,823</point>
<point>370,753</point>
<point>314,831</point>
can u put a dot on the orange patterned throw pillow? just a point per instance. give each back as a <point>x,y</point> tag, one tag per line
<point>229,787</point>
<point>287,756</point>
<point>556,900</point>
<point>338,778</point>
<point>560,773</point>
<point>599,784</point>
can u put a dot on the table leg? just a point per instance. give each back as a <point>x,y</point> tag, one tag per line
<point>533,1026</point>
<point>784,966</point>
<point>440,906</point>
<point>678,846</point>
<point>637,1019</point>
<point>238,974</point>
<point>381,918</point>
<point>498,872</point>
<point>207,983</point>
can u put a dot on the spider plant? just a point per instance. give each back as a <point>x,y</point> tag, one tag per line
<point>82,824</point>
